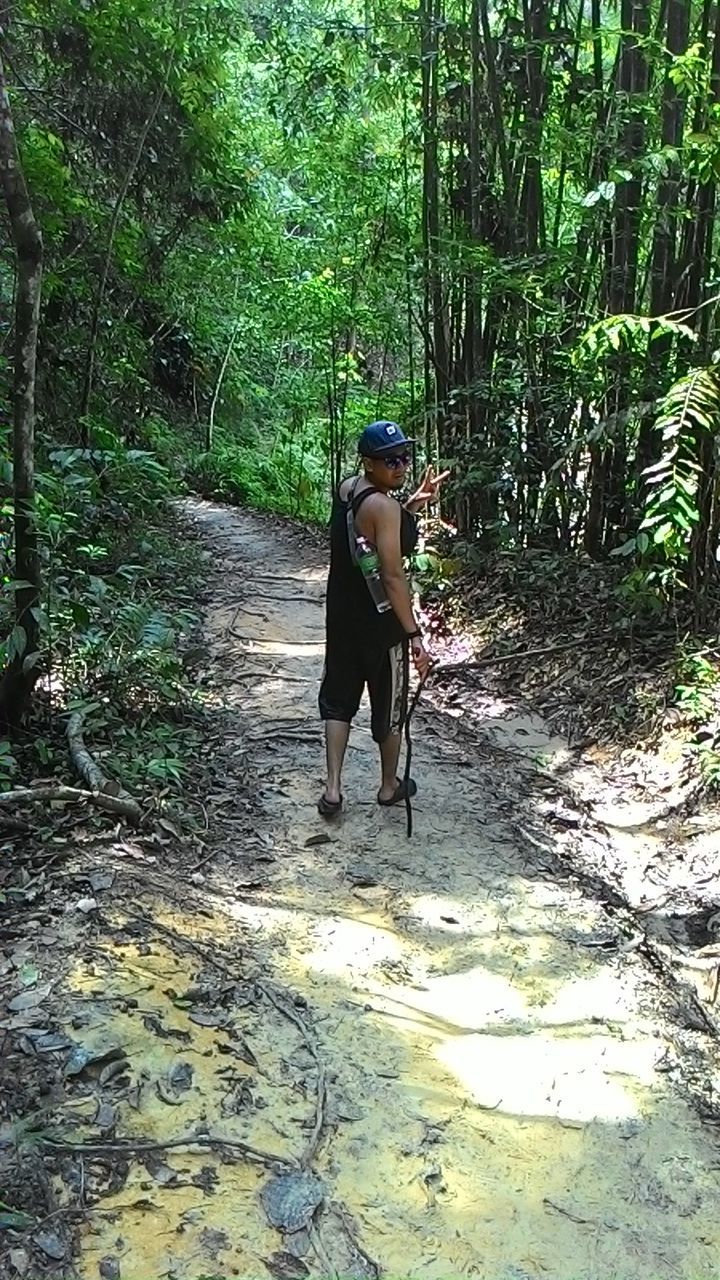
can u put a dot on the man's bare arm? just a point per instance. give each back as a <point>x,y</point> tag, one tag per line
<point>385,516</point>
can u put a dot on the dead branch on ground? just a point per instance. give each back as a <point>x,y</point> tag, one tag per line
<point>93,776</point>
<point>120,808</point>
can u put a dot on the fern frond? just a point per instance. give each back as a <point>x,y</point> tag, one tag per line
<point>689,412</point>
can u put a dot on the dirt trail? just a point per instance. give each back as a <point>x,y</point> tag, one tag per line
<point>493,1104</point>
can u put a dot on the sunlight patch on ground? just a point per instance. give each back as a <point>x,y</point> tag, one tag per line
<point>526,1069</point>
<point>351,946</point>
<point>547,1076</point>
<point>284,649</point>
<point>521,730</point>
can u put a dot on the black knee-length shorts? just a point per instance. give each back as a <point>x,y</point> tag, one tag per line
<point>349,667</point>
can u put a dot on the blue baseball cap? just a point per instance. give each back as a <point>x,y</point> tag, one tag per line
<point>380,438</point>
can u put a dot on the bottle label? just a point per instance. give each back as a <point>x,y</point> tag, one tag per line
<point>369,562</point>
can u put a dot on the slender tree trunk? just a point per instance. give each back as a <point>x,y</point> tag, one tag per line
<point>567,117</point>
<point>609,464</point>
<point>703,562</point>
<point>408,259</point>
<point>439,320</point>
<point>663,269</point>
<point>88,380</point>
<point>428,54</point>
<point>210,426</point>
<point>22,669</point>
<point>532,201</point>
<point>498,121</point>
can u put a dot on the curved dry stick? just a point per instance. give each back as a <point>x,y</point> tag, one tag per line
<point>92,774</point>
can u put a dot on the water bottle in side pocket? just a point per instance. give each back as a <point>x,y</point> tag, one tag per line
<point>368,561</point>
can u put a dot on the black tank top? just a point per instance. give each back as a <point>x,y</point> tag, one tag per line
<point>350,608</point>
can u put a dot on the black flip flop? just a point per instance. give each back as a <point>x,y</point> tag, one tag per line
<point>402,791</point>
<point>329,808</point>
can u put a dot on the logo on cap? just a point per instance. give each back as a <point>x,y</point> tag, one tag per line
<point>390,431</point>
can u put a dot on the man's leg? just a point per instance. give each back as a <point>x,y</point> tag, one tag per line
<point>389,755</point>
<point>388,689</point>
<point>340,694</point>
<point>337,733</point>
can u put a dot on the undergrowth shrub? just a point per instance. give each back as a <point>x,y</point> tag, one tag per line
<point>288,479</point>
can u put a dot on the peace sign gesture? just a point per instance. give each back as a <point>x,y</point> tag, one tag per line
<point>428,489</point>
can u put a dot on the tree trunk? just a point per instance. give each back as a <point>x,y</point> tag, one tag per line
<point>22,669</point>
<point>439,326</point>
<point>608,489</point>
<point>87,389</point>
<point>498,122</point>
<point>663,269</point>
<point>532,201</point>
<point>428,54</point>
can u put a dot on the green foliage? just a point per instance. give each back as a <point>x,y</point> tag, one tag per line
<point>110,646</point>
<point>8,766</point>
<point>688,413</point>
<point>290,479</point>
<point>697,695</point>
<point>626,333</point>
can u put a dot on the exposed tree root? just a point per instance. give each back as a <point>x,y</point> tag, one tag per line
<point>278,1000</point>
<point>131,1147</point>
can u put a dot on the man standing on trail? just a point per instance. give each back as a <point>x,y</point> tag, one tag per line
<point>370,625</point>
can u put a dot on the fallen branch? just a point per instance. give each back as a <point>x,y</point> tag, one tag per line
<point>92,774</point>
<point>8,823</point>
<point>89,771</point>
<point>206,953</point>
<point>72,795</point>
<point>320,1117</point>
<point>286,735</point>
<point>253,674</point>
<point>205,1141</point>
<point>259,595</point>
<point>287,1011</point>
<point>703,1019</point>
<point>451,668</point>
<point>281,577</point>
<point>551,1204</point>
<point>328,1267</point>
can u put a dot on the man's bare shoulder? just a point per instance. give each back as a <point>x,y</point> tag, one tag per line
<point>382,507</point>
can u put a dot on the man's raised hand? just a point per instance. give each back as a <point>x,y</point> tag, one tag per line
<point>428,489</point>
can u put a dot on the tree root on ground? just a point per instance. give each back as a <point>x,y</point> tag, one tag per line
<point>278,1000</point>
<point>130,1147</point>
<point>121,808</point>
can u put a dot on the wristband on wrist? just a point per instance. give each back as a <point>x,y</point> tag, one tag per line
<point>413,635</point>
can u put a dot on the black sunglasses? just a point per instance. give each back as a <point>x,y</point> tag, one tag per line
<point>397,460</point>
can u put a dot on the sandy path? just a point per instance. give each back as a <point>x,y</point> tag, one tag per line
<point>494,1104</point>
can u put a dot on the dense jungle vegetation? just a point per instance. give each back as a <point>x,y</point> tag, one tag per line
<point>261,226</point>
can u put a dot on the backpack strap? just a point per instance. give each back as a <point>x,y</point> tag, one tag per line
<point>352,505</point>
<point>356,502</point>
